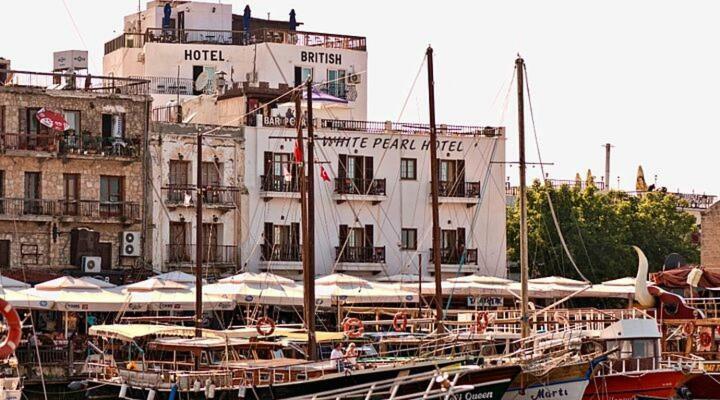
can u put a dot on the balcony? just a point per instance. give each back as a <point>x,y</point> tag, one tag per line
<point>275,186</point>
<point>214,255</point>
<point>450,260</point>
<point>281,253</point>
<point>93,209</point>
<point>359,189</point>
<point>85,144</point>
<point>360,259</point>
<point>86,209</point>
<point>223,37</point>
<point>92,84</point>
<point>213,196</point>
<point>466,193</point>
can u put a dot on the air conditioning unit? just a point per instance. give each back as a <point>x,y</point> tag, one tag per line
<point>354,79</point>
<point>91,264</point>
<point>130,244</point>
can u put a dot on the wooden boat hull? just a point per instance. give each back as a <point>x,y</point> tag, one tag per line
<point>567,382</point>
<point>660,383</point>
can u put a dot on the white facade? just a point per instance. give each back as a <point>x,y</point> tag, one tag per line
<point>173,164</point>
<point>479,211</point>
<point>173,59</point>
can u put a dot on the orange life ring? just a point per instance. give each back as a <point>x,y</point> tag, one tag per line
<point>706,339</point>
<point>353,328</point>
<point>400,321</point>
<point>265,326</point>
<point>481,322</point>
<point>12,339</point>
<point>689,328</point>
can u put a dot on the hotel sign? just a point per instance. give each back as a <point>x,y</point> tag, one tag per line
<point>320,57</point>
<point>204,55</point>
<point>389,143</point>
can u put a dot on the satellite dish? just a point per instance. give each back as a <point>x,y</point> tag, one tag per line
<point>201,82</point>
<point>674,260</point>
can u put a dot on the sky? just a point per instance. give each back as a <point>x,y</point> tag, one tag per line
<point>637,74</point>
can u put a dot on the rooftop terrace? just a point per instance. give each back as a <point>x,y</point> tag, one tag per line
<point>73,82</point>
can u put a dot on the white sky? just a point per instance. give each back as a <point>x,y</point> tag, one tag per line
<point>638,74</point>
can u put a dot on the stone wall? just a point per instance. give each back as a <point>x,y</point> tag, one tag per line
<point>710,238</point>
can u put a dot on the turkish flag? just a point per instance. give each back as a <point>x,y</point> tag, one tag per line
<point>324,175</point>
<point>298,152</point>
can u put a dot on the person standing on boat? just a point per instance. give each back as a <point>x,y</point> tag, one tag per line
<point>337,357</point>
<point>351,355</point>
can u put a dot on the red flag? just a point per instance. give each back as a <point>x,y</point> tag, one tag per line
<point>324,175</point>
<point>298,152</point>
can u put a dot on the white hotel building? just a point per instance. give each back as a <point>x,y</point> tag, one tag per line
<point>374,215</point>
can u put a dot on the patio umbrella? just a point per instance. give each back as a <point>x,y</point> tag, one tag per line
<point>73,294</point>
<point>266,278</point>
<point>258,293</point>
<point>163,295</point>
<point>350,289</point>
<point>9,283</point>
<point>22,300</point>
<point>178,277</point>
<point>52,119</point>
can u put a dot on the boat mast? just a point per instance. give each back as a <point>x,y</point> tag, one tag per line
<point>198,241</point>
<point>524,275</point>
<point>434,182</point>
<point>309,239</point>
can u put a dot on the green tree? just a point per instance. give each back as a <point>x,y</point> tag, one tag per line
<point>599,228</point>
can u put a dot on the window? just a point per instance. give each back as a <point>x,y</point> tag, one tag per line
<point>408,240</point>
<point>113,126</point>
<point>178,249</point>
<point>178,172</point>
<point>210,173</point>
<point>72,194</point>
<point>281,164</point>
<point>33,125</point>
<point>282,242</point>
<point>4,253</point>
<point>210,239</point>
<point>302,74</point>
<point>73,119</point>
<point>408,169</point>
<point>2,119</point>
<point>355,237</point>
<point>336,83</point>
<point>32,193</point>
<point>111,196</point>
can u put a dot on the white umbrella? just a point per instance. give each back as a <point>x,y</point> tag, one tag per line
<point>351,289</point>
<point>258,293</point>
<point>73,294</point>
<point>21,300</point>
<point>161,295</point>
<point>9,283</point>
<point>178,276</point>
<point>265,278</point>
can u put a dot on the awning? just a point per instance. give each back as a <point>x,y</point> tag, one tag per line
<point>131,332</point>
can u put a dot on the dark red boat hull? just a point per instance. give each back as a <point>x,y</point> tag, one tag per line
<point>663,384</point>
<point>704,386</point>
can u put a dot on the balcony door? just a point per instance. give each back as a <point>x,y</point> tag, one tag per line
<point>32,193</point>
<point>354,174</point>
<point>211,250</point>
<point>282,242</point>
<point>178,180</point>
<point>280,172</point>
<point>452,177</point>
<point>111,196</point>
<point>71,195</point>
<point>452,243</point>
<point>356,243</point>
<point>179,248</point>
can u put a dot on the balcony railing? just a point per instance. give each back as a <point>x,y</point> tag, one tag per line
<point>454,256</point>
<point>459,189</point>
<point>78,208</point>
<point>68,81</point>
<point>406,127</point>
<point>281,252</point>
<point>372,187</point>
<point>98,209</point>
<point>277,183</point>
<point>170,85</point>
<point>223,37</point>
<point>212,195</point>
<point>167,114</point>
<point>365,254</point>
<point>211,255</point>
<point>65,143</point>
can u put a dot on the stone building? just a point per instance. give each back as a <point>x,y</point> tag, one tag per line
<point>174,167</point>
<point>68,196</point>
<point>710,237</point>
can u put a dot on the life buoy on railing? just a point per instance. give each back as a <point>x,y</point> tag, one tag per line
<point>14,326</point>
<point>560,319</point>
<point>265,326</point>
<point>689,328</point>
<point>481,322</point>
<point>706,339</point>
<point>353,328</point>
<point>400,321</point>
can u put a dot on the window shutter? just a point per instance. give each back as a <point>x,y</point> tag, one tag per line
<point>268,163</point>
<point>343,235</point>
<point>22,120</point>
<point>298,76</point>
<point>461,239</point>
<point>368,168</point>
<point>295,234</point>
<point>269,237</point>
<point>369,241</point>
<point>342,166</point>
<point>107,125</point>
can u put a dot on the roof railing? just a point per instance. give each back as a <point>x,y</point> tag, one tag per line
<point>72,81</point>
